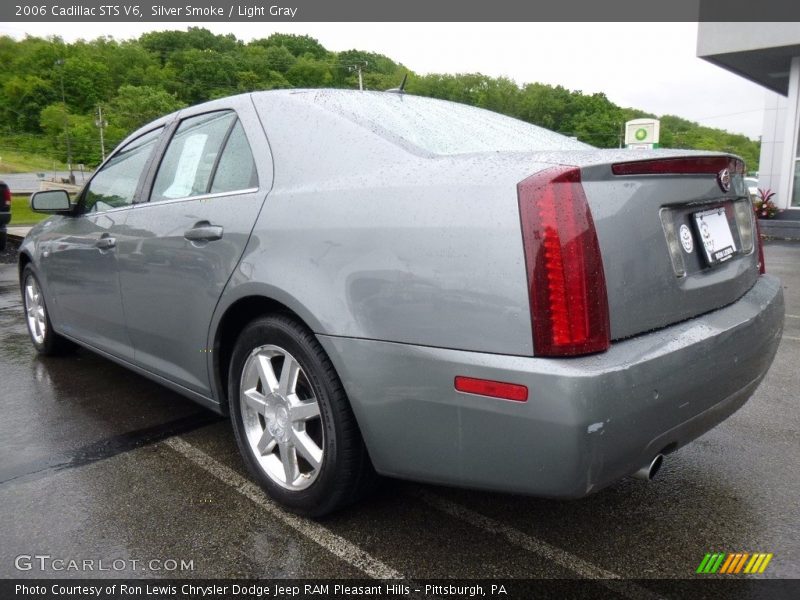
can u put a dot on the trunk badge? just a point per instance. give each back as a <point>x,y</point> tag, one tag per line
<point>686,239</point>
<point>724,180</point>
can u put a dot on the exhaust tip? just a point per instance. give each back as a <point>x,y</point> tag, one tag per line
<point>648,472</point>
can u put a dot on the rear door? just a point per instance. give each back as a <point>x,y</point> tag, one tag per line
<point>183,244</point>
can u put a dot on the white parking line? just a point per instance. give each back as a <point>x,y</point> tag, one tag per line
<point>331,542</point>
<point>793,316</point>
<point>791,337</point>
<point>556,555</point>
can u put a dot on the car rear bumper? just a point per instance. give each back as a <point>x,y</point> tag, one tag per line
<point>588,421</point>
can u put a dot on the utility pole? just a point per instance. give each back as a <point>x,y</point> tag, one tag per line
<point>358,68</point>
<point>101,123</point>
<point>60,63</point>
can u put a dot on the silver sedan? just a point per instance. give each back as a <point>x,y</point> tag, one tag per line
<point>376,283</point>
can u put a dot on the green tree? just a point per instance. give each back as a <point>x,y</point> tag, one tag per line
<point>139,80</point>
<point>298,45</point>
<point>22,99</point>
<point>134,106</point>
<point>307,72</point>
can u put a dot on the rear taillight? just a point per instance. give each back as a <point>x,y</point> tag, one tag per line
<point>7,196</point>
<point>679,166</point>
<point>762,265</point>
<point>566,283</point>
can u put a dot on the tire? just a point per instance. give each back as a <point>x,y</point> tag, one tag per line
<point>294,427</point>
<point>46,341</point>
<point>3,238</point>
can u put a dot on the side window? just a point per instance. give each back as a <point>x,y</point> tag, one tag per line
<point>192,156</point>
<point>116,183</point>
<point>236,169</point>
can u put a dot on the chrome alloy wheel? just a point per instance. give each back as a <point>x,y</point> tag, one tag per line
<point>34,310</point>
<point>281,418</point>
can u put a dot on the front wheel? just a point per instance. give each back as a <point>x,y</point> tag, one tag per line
<point>292,420</point>
<point>45,340</point>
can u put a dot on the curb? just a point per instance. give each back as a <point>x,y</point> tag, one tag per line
<point>780,229</point>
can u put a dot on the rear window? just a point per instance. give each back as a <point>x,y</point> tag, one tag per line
<point>440,127</point>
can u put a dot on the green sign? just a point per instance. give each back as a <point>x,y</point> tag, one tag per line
<point>640,134</point>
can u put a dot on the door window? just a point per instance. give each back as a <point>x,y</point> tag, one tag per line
<point>115,184</point>
<point>236,169</point>
<point>208,154</point>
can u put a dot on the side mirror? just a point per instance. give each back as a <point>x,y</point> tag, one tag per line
<point>50,201</point>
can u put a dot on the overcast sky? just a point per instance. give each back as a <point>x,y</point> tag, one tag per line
<point>651,66</point>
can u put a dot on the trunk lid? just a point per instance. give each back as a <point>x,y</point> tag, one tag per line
<point>654,223</point>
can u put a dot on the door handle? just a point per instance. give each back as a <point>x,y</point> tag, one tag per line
<point>203,232</point>
<point>106,243</point>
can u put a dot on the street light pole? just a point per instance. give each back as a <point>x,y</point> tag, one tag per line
<point>359,68</point>
<point>60,63</point>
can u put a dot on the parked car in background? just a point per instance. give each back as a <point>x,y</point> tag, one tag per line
<point>376,282</point>
<point>752,186</point>
<point>5,213</point>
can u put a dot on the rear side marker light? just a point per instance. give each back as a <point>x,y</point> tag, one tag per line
<point>494,389</point>
<point>566,281</point>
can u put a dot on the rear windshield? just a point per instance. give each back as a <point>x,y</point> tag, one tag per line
<point>440,127</point>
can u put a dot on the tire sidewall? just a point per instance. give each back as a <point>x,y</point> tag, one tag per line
<point>284,333</point>
<point>46,346</point>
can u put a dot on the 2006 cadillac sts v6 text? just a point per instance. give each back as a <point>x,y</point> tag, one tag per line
<point>375,282</point>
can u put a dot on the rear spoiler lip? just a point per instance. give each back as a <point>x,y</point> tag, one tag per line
<point>687,165</point>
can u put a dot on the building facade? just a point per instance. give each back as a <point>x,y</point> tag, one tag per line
<point>767,54</point>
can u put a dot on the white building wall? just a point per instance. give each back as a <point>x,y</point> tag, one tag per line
<point>791,138</point>
<point>769,165</point>
<point>780,139</point>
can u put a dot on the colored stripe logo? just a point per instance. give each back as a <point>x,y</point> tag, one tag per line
<point>734,562</point>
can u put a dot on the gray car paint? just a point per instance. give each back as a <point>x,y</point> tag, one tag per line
<point>410,269</point>
<point>588,421</point>
<point>73,266</point>
<point>171,286</point>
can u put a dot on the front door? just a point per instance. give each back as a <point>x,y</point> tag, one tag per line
<point>80,253</point>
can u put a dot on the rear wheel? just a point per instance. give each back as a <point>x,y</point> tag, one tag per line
<point>292,419</point>
<point>45,340</point>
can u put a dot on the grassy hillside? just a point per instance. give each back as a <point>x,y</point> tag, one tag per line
<point>15,161</point>
<point>21,213</point>
<point>52,92</point>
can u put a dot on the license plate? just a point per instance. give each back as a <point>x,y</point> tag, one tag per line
<point>715,234</point>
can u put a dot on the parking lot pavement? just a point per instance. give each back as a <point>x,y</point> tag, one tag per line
<point>99,463</point>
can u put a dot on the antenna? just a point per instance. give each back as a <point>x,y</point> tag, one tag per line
<point>401,88</point>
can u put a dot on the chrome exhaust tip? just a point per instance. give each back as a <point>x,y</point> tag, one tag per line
<point>648,472</point>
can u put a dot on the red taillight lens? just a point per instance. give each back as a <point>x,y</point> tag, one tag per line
<point>679,166</point>
<point>762,265</point>
<point>495,389</point>
<point>6,196</point>
<point>566,282</point>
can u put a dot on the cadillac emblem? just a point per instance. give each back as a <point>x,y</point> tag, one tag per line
<point>724,180</point>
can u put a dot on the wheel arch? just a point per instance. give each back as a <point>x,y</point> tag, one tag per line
<point>232,320</point>
<point>22,262</point>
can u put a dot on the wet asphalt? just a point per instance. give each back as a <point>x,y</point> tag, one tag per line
<point>90,468</point>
